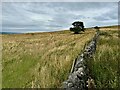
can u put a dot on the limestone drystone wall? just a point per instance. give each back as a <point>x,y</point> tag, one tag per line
<point>79,75</point>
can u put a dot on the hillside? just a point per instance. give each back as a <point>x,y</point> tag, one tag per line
<point>40,59</point>
<point>105,63</point>
<point>44,59</point>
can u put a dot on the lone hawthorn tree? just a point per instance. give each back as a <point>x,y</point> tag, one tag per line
<point>78,26</point>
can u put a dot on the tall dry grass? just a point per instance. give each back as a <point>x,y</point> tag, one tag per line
<point>40,59</point>
<point>104,66</point>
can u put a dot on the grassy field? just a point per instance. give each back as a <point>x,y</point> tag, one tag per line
<point>40,59</point>
<point>104,66</point>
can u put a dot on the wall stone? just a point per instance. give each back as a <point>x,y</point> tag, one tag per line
<point>78,78</point>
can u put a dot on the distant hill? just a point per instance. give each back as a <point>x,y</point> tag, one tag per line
<point>60,31</point>
<point>9,33</point>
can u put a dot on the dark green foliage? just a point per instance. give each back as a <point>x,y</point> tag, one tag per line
<point>78,26</point>
<point>75,30</point>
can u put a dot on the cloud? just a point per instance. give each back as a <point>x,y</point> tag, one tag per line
<point>49,16</point>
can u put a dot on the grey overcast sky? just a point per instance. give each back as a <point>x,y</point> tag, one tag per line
<point>54,16</point>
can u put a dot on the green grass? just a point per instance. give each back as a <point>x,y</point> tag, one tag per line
<point>104,66</point>
<point>44,60</point>
<point>40,60</point>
